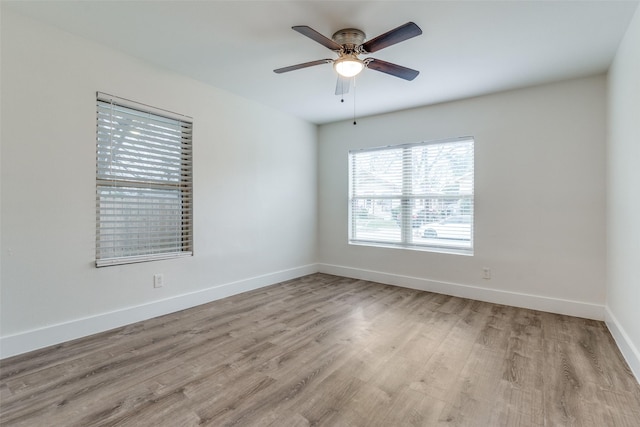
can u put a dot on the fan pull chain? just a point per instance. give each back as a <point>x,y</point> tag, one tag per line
<point>354,100</point>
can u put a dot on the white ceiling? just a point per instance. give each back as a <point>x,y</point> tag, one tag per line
<point>466,49</point>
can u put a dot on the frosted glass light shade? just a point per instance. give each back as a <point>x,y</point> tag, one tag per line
<point>348,67</point>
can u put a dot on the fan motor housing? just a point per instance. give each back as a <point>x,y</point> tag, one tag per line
<point>350,38</point>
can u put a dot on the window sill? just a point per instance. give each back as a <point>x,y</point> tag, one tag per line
<point>434,249</point>
<point>140,258</point>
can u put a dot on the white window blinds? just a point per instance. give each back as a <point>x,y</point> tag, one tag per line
<point>144,198</point>
<point>413,196</point>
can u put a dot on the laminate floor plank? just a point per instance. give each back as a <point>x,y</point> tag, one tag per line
<point>364,408</point>
<point>521,403</point>
<point>411,409</point>
<point>289,391</point>
<point>329,398</point>
<point>562,386</point>
<point>324,350</point>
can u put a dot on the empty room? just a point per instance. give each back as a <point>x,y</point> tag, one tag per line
<point>319,213</point>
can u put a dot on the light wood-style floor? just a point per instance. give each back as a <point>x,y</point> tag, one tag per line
<point>329,351</point>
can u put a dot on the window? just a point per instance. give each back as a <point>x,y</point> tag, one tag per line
<point>144,199</point>
<point>417,196</point>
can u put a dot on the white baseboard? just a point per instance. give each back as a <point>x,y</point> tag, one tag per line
<point>55,334</point>
<point>535,302</point>
<point>626,346</point>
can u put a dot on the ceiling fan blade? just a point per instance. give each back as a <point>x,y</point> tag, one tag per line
<point>392,69</point>
<point>342,85</point>
<point>303,65</point>
<point>316,36</point>
<point>392,37</point>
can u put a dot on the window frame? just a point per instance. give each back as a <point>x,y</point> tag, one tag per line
<point>144,185</point>
<point>407,200</point>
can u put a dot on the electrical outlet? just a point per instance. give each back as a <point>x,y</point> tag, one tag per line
<point>158,280</point>
<point>486,273</point>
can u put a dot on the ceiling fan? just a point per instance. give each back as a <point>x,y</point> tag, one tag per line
<point>348,44</point>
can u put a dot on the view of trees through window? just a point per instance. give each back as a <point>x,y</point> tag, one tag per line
<point>417,195</point>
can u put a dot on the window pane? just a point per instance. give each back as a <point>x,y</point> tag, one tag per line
<point>139,221</point>
<point>442,169</point>
<point>376,220</point>
<point>378,173</point>
<point>446,222</point>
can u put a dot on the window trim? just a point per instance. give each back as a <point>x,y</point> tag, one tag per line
<point>183,141</point>
<point>406,220</point>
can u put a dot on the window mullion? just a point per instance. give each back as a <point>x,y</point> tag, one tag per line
<point>406,200</point>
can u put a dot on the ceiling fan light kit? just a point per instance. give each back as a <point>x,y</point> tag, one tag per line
<point>348,66</point>
<point>350,42</point>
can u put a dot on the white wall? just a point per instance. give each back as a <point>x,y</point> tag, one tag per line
<point>623,196</point>
<point>255,183</point>
<point>539,198</point>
